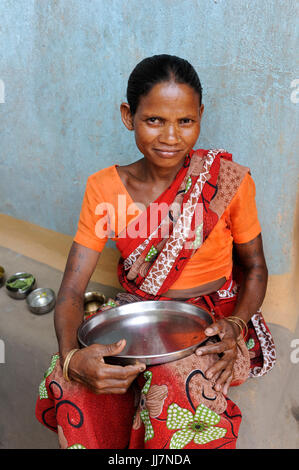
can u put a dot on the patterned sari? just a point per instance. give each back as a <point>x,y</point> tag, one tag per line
<point>171,405</point>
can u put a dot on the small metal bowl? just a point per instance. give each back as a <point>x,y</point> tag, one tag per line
<point>2,275</point>
<point>16,292</point>
<point>41,300</point>
<point>92,301</point>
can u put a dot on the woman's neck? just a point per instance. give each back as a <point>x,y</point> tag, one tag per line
<point>154,174</point>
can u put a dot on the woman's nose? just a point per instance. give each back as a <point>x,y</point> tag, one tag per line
<point>169,135</point>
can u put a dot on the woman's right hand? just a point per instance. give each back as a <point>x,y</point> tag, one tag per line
<point>87,366</point>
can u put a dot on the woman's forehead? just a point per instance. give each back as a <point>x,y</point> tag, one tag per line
<point>170,95</point>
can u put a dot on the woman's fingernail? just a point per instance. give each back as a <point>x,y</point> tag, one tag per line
<point>199,353</point>
<point>209,330</point>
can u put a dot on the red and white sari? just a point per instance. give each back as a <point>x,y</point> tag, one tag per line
<point>174,405</point>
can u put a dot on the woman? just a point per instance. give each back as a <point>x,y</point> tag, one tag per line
<point>179,218</point>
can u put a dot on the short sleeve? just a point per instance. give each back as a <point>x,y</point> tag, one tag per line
<point>244,221</point>
<point>92,231</point>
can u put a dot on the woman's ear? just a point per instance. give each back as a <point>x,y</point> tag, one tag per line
<point>126,116</point>
<point>201,110</point>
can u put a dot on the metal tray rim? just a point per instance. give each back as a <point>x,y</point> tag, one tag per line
<point>110,311</point>
<point>176,354</point>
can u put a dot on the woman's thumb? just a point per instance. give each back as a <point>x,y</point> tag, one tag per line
<point>114,348</point>
<point>212,330</point>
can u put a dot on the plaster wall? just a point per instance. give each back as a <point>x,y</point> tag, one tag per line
<point>63,72</point>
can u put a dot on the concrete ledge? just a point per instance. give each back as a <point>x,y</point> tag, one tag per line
<point>52,248</point>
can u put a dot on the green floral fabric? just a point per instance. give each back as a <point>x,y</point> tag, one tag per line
<point>144,414</point>
<point>198,236</point>
<point>77,446</point>
<point>188,184</point>
<point>152,253</point>
<point>201,427</point>
<point>110,303</point>
<point>250,343</point>
<point>42,388</point>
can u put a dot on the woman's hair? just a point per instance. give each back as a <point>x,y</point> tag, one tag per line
<point>157,69</point>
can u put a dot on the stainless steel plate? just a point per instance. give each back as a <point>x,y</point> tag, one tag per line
<point>155,331</point>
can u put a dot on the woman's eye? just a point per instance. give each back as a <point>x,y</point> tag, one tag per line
<point>186,121</point>
<point>153,120</point>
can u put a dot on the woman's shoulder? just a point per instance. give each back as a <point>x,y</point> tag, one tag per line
<point>116,172</point>
<point>228,164</point>
<point>233,167</point>
<point>104,183</point>
<point>105,174</point>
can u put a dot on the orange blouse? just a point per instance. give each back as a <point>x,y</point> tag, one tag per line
<point>108,208</point>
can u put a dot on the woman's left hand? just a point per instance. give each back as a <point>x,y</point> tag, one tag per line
<point>222,370</point>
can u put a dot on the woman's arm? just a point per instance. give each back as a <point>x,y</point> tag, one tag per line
<point>250,297</point>
<point>69,311</point>
<point>87,365</point>
<point>255,278</point>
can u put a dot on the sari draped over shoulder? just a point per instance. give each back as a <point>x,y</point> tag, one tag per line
<point>171,405</point>
<point>189,209</point>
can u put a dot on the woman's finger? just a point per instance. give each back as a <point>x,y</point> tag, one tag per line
<point>216,369</point>
<point>99,384</point>
<point>227,384</point>
<point>214,329</point>
<point>103,391</point>
<point>112,391</point>
<point>215,377</point>
<point>106,371</point>
<point>225,363</point>
<point>223,377</point>
<point>112,384</point>
<point>217,348</point>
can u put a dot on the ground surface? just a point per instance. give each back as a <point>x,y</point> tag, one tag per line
<point>270,405</point>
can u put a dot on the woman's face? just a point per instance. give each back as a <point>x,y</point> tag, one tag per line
<point>166,123</point>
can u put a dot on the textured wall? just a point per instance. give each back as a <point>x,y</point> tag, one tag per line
<point>63,70</point>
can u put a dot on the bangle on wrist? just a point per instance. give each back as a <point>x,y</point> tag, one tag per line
<point>240,322</point>
<point>66,364</point>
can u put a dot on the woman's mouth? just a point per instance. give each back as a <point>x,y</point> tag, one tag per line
<point>167,153</point>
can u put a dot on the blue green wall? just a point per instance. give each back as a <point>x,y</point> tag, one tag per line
<point>65,65</point>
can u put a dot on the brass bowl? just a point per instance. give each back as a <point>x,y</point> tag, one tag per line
<point>92,301</point>
<point>2,275</point>
<point>17,292</point>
